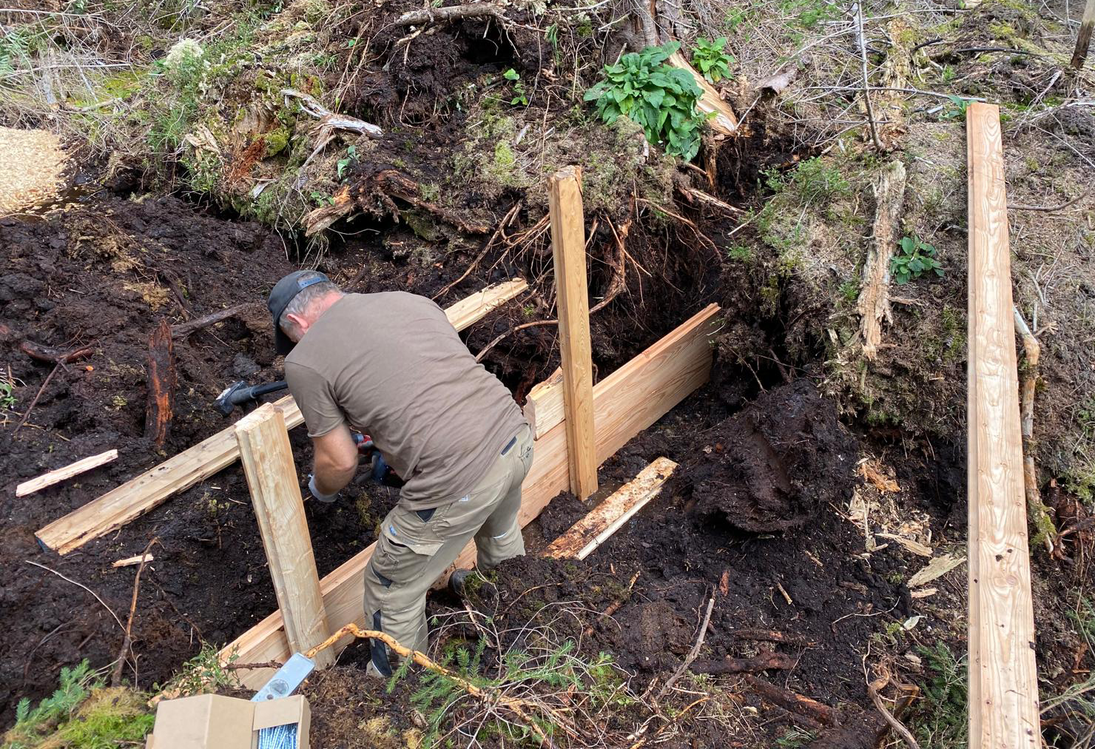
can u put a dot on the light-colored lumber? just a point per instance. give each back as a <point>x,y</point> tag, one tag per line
<point>544,404</point>
<point>213,454</point>
<point>133,561</point>
<point>724,122</point>
<point>474,308</point>
<point>568,248</point>
<point>267,459</point>
<point>609,516</point>
<point>626,402</point>
<point>58,475</point>
<point>1003,687</point>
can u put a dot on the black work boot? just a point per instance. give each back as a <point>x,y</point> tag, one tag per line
<point>458,582</point>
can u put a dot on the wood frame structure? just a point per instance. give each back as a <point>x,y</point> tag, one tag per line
<point>625,403</point>
<point>568,248</point>
<point>271,472</point>
<point>213,454</point>
<point>1003,686</point>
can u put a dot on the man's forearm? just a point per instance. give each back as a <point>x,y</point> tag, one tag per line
<point>330,479</point>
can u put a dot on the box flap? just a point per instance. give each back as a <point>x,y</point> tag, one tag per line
<point>279,712</point>
<point>204,721</point>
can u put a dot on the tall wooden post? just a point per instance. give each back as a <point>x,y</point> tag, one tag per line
<point>272,477</point>
<point>1083,39</point>
<point>572,292</point>
<point>1003,689</point>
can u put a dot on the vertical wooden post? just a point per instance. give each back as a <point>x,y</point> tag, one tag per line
<point>1083,39</point>
<point>569,250</point>
<point>1003,689</point>
<point>272,477</point>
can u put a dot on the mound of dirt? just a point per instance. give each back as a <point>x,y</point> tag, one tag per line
<point>773,465</point>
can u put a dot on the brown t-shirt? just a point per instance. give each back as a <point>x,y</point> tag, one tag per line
<point>392,365</point>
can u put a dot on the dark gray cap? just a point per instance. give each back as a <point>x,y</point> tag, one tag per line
<point>283,293</point>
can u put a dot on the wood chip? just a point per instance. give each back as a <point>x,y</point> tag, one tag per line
<point>873,471</point>
<point>914,546</point>
<point>924,592</point>
<point>935,569</point>
<point>133,561</point>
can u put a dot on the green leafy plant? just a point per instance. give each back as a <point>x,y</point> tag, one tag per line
<point>915,259</point>
<point>710,60</point>
<point>519,95</point>
<point>7,399</point>
<point>659,98</point>
<point>203,673</point>
<point>957,109</point>
<point>322,198</point>
<point>345,161</point>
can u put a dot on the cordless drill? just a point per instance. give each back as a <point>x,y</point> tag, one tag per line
<point>381,471</point>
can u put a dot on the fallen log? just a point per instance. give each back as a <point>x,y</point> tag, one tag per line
<point>626,402</point>
<point>450,13</point>
<point>161,385</point>
<point>609,516</point>
<point>61,474</point>
<point>213,454</point>
<point>182,330</point>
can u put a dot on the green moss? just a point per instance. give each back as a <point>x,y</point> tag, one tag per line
<point>276,141</point>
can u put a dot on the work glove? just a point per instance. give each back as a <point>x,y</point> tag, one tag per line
<point>316,493</point>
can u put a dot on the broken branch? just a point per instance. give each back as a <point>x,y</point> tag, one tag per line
<point>695,651</point>
<point>127,641</point>
<point>451,13</point>
<point>1039,513</point>
<point>51,355</point>
<point>182,330</point>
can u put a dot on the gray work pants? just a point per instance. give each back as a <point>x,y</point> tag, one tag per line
<point>416,547</point>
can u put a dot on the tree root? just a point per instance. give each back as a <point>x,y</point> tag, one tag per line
<point>450,13</point>
<point>1040,518</point>
<point>874,688</point>
<point>760,662</point>
<point>491,697</point>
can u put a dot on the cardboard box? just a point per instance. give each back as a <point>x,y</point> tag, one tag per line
<point>210,721</point>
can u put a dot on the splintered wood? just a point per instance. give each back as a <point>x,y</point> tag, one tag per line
<point>61,474</point>
<point>874,299</point>
<point>213,454</point>
<point>609,516</point>
<point>1003,688</point>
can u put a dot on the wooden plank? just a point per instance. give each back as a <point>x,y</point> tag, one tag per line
<point>568,247</point>
<point>724,122</point>
<point>609,516</point>
<point>544,405</point>
<point>58,475</point>
<point>271,473</point>
<point>213,454</point>
<point>474,308</point>
<point>658,379</point>
<point>1004,711</point>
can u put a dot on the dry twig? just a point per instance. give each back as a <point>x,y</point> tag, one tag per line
<point>695,651</point>
<point>873,689</point>
<point>127,641</point>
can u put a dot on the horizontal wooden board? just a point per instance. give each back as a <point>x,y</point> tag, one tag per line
<point>213,454</point>
<point>657,380</point>
<point>61,474</point>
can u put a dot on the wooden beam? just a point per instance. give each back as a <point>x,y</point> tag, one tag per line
<point>1083,38</point>
<point>568,247</point>
<point>213,454</point>
<point>609,516</point>
<point>1003,687</point>
<point>473,308</point>
<point>271,473</point>
<point>544,405</point>
<point>60,474</point>
<point>626,402</point>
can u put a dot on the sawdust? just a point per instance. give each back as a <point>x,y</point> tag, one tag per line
<point>31,167</point>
